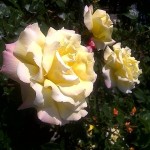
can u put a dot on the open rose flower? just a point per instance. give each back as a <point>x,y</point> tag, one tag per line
<point>100,25</point>
<point>55,73</point>
<point>120,70</point>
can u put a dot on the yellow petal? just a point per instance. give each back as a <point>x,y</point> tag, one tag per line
<point>31,34</point>
<point>56,93</point>
<point>26,71</point>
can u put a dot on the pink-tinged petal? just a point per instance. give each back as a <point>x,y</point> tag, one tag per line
<point>88,17</point>
<point>61,113</point>
<point>83,104</point>
<point>108,77</point>
<point>28,96</point>
<point>90,49</point>
<point>49,111</point>
<point>10,64</point>
<point>91,43</point>
<point>10,47</point>
<point>49,116</point>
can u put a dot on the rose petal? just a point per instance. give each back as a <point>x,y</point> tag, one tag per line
<point>49,112</point>
<point>76,116</point>
<point>100,45</point>
<point>60,73</point>
<point>83,66</point>
<point>56,93</point>
<point>36,52</point>
<point>107,53</point>
<point>71,112</point>
<point>100,31</point>
<point>26,71</point>
<point>61,113</point>
<point>10,47</point>
<point>28,96</point>
<point>50,116</point>
<point>49,53</point>
<point>31,34</point>
<point>10,64</point>
<point>101,14</point>
<point>78,91</point>
<point>125,86</point>
<point>88,17</point>
<point>117,46</point>
<point>109,78</point>
<point>39,97</point>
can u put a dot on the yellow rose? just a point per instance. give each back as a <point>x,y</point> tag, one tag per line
<point>55,73</point>
<point>100,25</point>
<point>120,70</point>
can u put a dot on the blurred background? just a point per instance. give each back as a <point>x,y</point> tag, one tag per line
<point>115,121</point>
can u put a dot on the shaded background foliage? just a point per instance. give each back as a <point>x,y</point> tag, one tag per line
<point>22,129</point>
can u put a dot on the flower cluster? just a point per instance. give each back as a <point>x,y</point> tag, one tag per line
<point>120,69</point>
<point>56,73</point>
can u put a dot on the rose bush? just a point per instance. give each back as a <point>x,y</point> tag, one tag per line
<point>120,70</point>
<point>55,73</point>
<point>100,25</point>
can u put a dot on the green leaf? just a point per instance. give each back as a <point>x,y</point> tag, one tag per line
<point>140,95</point>
<point>145,120</point>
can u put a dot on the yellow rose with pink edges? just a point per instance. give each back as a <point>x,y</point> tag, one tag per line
<point>55,73</point>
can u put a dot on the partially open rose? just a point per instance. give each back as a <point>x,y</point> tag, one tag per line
<point>55,73</point>
<point>120,70</point>
<point>100,25</point>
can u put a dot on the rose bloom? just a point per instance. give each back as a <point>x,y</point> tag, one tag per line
<point>55,73</point>
<point>100,25</point>
<point>120,70</point>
